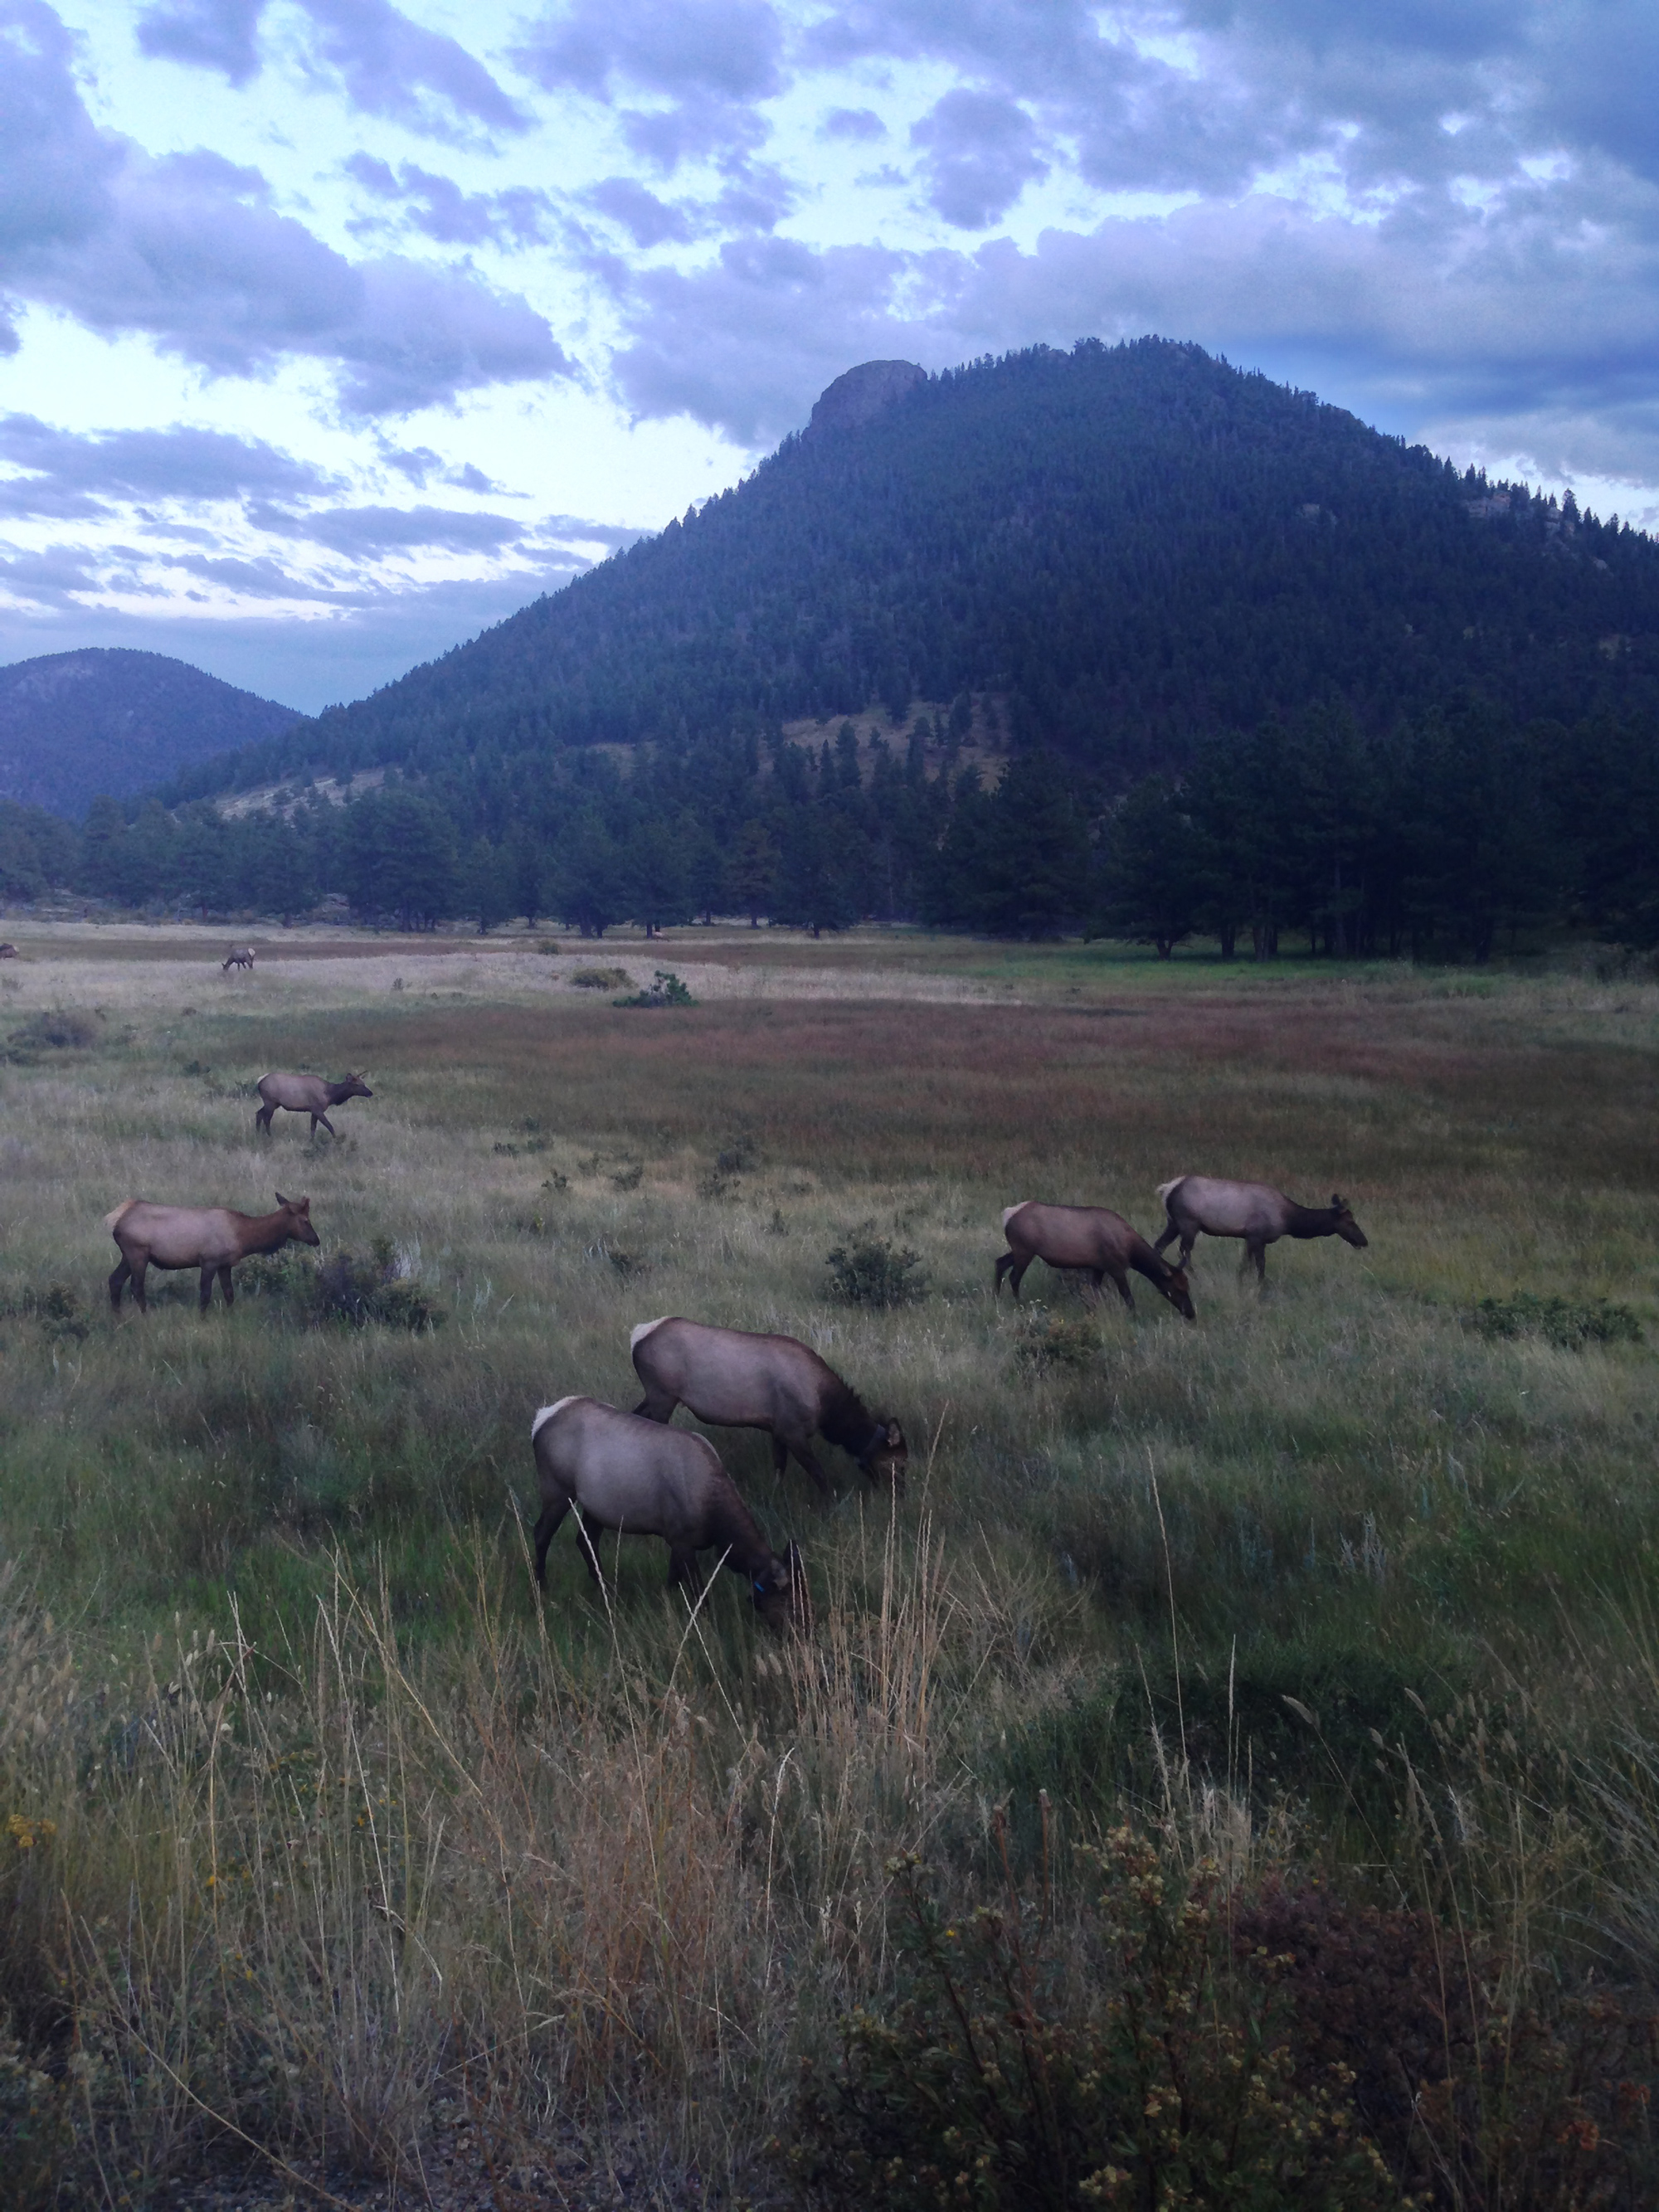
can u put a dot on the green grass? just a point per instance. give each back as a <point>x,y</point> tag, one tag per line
<point>1341,1494</point>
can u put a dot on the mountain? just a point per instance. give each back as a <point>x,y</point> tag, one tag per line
<point>1129,548</point>
<point>107,719</point>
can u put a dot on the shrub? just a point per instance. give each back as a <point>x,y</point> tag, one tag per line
<point>868,1270</point>
<point>1047,1342</point>
<point>600,979</point>
<point>1563,1322</point>
<point>342,1289</point>
<point>996,2083</point>
<point>58,1028</point>
<point>667,990</point>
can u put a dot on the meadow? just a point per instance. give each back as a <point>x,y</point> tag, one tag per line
<point>336,1859</point>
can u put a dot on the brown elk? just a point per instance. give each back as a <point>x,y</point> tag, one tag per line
<point>8,952</point>
<point>1090,1237</point>
<point>239,956</point>
<point>211,1238</point>
<point>733,1379</point>
<point>306,1094</point>
<point>1254,1211</point>
<point>641,1479</point>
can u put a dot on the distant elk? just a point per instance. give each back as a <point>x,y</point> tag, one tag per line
<point>1254,1211</point>
<point>306,1094</point>
<point>7,952</point>
<point>239,956</point>
<point>641,1479</point>
<point>1092,1239</point>
<point>211,1238</point>
<point>733,1379</point>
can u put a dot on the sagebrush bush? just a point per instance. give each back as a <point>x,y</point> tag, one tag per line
<point>1047,1342</point>
<point>869,1270</point>
<point>1569,1322</point>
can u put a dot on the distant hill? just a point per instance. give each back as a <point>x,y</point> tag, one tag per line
<point>1128,548</point>
<point>105,719</point>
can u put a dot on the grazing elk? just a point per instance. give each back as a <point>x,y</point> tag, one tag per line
<point>736,1380</point>
<point>1254,1211</point>
<point>306,1094</point>
<point>1090,1237</point>
<point>239,956</point>
<point>643,1479</point>
<point>211,1238</point>
<point>8,952</point>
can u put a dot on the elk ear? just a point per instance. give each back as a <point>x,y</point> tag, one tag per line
<point>281,1201</point>
<point>1337,1204</point>
<point>895,1436</point>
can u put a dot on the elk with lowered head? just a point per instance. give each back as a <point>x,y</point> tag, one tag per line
<point>1212,1206</point>
<point>1092,1238</point>
<point>733,1379</point>
<point>211,1238</point>
<point>642,1479</point>
<point>306,1094</point>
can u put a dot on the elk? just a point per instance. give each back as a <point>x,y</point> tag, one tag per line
<point>239,956</point>
<point>736,1380</point>
<point>211,1238</point>
<point>1254,1211</point>
<point>643,1479</point>
<point>8,952</point>
<point>1091,1237</point>
<point>306,1094</point>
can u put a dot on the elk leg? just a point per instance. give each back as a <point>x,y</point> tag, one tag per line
<point>1262,1265</point>
<point>656,1404</point>
<point>140,1268</point>
<point>682,1568</point>
<point>262,1120</point>
<point>779,1454</point>
<point>225,1287</point>
<point>326,1123</point>
<point>1123,1290</point>
<point>804,1453</point>
<point>594,1573</point>
<point>207,1287</point>
<point>546,1528</point>
<point>1170,1232</point>
<point>1004,1263</point>
<point>116,1284</point>
<point>1018,1274</point>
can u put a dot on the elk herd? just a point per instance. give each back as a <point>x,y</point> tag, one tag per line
<point>633,1473</point>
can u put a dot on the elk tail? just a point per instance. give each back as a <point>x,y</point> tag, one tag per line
<point>1009,1212</point>
<point>1164,1188</point>
<point>637,1336</point>
<point>125,1207</point>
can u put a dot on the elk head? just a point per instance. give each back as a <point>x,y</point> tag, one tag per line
<point>298,1211</point>
<point>1345,1224</point>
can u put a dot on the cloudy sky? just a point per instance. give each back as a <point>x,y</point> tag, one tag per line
<point>331,331</point>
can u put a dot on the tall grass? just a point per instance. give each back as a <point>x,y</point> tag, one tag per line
<point>329,1835</point>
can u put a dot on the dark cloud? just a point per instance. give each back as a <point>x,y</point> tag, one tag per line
<point>385,63</point>
<point>188,251</point>
<point>697,130</point>
<point>262,578</point>
<point>980,153</point>
<point>720,50</point>
<point>855,123</point>
<point>439,208</point>
<point>648,219</point>
<point>76,474</point>
<point>368,531</point>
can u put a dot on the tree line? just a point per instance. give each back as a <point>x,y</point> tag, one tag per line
<point>1456,834</point>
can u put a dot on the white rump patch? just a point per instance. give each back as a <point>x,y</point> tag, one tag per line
<point>1009,1212</point>
<point>125,1207</point>
<point>637,1336</point>
<point>1164,1188</point>
<point>547,1413</point>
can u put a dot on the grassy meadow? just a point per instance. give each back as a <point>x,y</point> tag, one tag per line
<point>333,1854</point>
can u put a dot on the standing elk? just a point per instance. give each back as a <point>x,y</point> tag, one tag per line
<point>8,952</point>
<point>239,956</point>
<point>732,1379</point>
<point>211,1238</point>
<point>641,1479</point>
<point>1090,1237</point>
<point>306,1094</point>
<point>1254,1211</point>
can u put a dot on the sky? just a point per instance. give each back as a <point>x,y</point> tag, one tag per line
<point>333,331</point>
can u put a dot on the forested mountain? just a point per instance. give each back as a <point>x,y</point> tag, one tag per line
<point>1118,639</point>
<point>1131,546</point>
<point>107,719</point>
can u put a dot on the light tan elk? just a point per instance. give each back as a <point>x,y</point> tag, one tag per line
<point>643,1479</point>
<point>211,1238</point>
<point>1254,1211</point>
<point>306,1094</point>
<point>239,956</point>
<point>1092,1238</point>
<point>732,1379</point>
